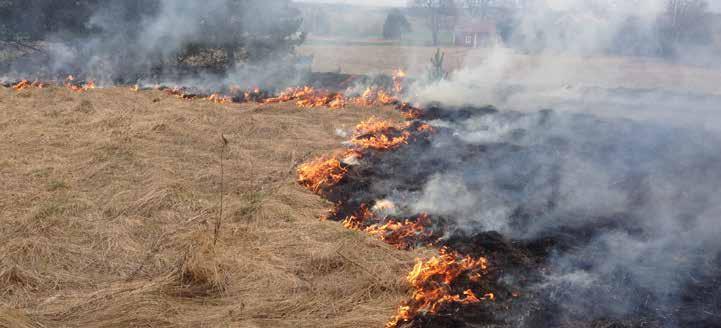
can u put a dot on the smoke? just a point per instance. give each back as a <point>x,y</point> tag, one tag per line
<point>632,207</point>
<point>622,174</point>
<point>193,43</point>
<point>597,57</point>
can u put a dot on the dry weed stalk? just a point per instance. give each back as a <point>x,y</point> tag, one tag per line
<point>220,216</point>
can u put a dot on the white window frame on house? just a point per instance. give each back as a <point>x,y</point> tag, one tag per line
<point>469,38</point>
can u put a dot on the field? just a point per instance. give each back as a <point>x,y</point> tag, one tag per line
<point>109,201</point>
<point>644,89</point>
<point>602,71</point>
<point>110,197</point>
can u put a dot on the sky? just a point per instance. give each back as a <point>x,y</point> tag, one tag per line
<point>394,3</point>
<point>714,5</point>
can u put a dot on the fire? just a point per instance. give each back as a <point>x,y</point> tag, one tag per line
<point>359,219</point>
<point>72,86</point>
<point>410,112</point>
<point>25,84</point>
<point>380,135</point>
<point>432,282</point>
<point>254,95</point>
<point>179,93</point>
<point>220,99</point>
<point>425,127</point>
<point>402,234</point>
<point>321,174</point>
<point>308,97</point>
<point>375,96</point>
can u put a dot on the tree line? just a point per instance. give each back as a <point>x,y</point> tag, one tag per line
<point>246,30</point>
<point>682,23</point>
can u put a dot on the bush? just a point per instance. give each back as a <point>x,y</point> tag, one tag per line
<point>395,25</point>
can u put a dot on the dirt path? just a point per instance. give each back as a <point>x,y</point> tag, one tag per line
<point>108,201</point>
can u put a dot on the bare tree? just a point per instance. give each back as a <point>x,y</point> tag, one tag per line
<point>477,8</point>
<point>439,14</point>
<point>687,21</point>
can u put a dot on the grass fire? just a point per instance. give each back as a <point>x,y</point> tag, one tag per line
<point>417,164</point>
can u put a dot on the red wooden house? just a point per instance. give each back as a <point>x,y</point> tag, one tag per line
<point>475,33</point>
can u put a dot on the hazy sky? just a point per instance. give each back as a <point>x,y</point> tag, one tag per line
<point>715,5</point>
<point>363,2</point>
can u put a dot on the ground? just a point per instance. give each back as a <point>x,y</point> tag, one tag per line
<point>109,200</point>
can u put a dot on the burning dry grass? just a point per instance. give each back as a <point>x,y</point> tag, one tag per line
<point>380,134</point>
<point>107,209</point>
<point>432,282</point>
<point>321,173</point>
<point>309,97</point>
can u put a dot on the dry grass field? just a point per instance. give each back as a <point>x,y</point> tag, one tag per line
<point>109,198</point>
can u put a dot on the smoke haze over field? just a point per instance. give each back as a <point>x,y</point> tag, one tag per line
<point>127,41</point>
<point>569,69</point>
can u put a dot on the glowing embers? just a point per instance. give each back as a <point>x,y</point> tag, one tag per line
<point>308,97</point>
<point>78,87</point>
<point>323,173</point>
<point>435,285</point>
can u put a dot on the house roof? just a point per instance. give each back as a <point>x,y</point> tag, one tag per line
<point>476,26</point>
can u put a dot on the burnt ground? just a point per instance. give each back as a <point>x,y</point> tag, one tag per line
<point>109,198</point>
<point>524,259</point>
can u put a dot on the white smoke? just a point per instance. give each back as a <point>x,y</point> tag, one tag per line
<point>141,42</point>
<point>561,55</point>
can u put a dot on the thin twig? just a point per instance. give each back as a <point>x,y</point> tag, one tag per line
<point>220,217</point>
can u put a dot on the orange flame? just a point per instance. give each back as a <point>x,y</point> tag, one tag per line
<point>432,281</point>
<point>220,99</point>
<point>380,135</point>
<point>78,88</point>
<point>180,93</point>
<point>321,174</point>
<point>24,84</point>
<point>375,96</point>
<point>402,234</point>
<point>308,97</point>
<point>359,219</point>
